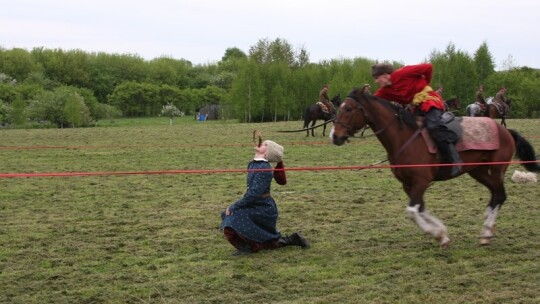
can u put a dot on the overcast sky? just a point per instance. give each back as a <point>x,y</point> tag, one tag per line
<point>201,30</point>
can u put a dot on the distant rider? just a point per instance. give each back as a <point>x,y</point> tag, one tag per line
<point>500,101</point>
<point>480,101</point>
<point>325,100</point>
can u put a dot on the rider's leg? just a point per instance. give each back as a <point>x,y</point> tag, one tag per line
<point>444,138</point>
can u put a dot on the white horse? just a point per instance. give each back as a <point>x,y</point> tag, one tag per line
<point>474,109</point>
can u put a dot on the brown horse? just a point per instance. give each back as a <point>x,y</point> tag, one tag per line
<point>452,103</point>
<point>315,112</point>
<point>493,112</point>
<point>398,132</point>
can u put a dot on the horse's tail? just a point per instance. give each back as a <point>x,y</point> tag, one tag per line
<point>306,117</point>
<point>525,151</point>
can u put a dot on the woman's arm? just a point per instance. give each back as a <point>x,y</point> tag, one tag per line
<point>259,185</point>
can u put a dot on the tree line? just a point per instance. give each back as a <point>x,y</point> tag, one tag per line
<point>273,81</point>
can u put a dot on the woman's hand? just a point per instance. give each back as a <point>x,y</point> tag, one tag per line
<point>228,212</point>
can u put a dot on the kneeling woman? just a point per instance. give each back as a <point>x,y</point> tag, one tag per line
<point>250,223</point>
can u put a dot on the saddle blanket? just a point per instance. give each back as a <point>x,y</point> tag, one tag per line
<point>479,133</point>
<point>324,107</point>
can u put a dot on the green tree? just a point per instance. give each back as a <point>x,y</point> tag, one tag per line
<point>37,78</point>
<point>232,54</point>
<point>110,70</point>
<point>72,111</point>
<point>4,109</point>
<point>66,67</point>
<point>168,71</point>
<point>278,50</point>
<point>200,77</point>
<point>8,93</point>
<point>247,94</point>
<point>302,58</point>
<point>104,111</point>
<point>18,115</point>
<point>523,88</point>
<point>18,63</point>
<point>136,99</point>
<point>485,65</point>
<point>455,71</point>
<point>63,106</point>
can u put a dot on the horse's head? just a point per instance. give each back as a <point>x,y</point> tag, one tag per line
<point>350,118</point>
<point>453,103</point>
<point>457,103</point>
<point>336,100</point>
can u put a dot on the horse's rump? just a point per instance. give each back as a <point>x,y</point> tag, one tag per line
<point>479,133</point>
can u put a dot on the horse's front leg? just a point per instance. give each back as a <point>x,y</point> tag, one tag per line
<point>427,222</point>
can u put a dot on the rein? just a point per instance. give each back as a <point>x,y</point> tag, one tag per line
<point>361,109</point>
<point>397,118</point>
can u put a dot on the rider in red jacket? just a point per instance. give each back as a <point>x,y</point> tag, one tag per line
<point>410,85</point>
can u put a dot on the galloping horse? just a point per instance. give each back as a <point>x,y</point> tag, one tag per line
<point>452,103</point>
<point>398,132</point>
<point>315,111</point>
<point>490,111</point>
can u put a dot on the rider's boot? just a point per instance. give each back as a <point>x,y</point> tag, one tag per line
<point>453,157</point>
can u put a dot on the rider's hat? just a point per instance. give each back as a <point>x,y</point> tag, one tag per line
<point>380,69</point>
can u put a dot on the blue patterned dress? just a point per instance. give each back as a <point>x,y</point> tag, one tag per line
<point>253,216</point>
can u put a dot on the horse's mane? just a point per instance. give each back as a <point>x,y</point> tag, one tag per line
<point>336,100</point>
<point>404,115</point>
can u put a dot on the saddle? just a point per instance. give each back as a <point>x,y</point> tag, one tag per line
<point>477,133</point>
<point>481,106</point>
<point>500,108</point>
<point>324,107</point>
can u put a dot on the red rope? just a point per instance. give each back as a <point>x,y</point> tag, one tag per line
<point>328,168</point>
<point>293,143</point>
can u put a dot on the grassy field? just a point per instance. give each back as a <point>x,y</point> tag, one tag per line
<point>156,238</point>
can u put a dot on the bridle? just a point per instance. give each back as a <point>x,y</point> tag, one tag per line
<point>362,109</point>
<point>397,117</point>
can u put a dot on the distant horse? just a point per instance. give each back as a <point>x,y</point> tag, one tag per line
<point>474,110</point>
<point>315,112</point>
<point>416,168</point>
<point>452,103</point>
<point>493,112</point>
<point>490,110</point>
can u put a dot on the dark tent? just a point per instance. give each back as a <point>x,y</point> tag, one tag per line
<point>210,111</point>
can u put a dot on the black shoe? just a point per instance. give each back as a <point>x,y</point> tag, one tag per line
<point>298,240</point>
<point>453,157</point>
<point>455,171</point>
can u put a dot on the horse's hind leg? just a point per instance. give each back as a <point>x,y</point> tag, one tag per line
<point>493,178</point>
<point>427,222</point>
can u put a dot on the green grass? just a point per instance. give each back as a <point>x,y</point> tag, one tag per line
<point>156,238</point>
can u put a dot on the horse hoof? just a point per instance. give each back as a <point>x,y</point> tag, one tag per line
<point>484,241</point>
<point>445,242</point>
